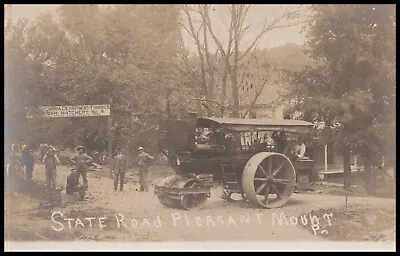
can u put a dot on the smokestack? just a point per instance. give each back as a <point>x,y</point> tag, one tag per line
<point>192,119</point>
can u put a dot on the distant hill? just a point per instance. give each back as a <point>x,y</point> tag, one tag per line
<point>276,62</point>
<point>291,57</point>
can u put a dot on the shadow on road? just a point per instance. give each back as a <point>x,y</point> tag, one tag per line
<point>294,202</point>
<point>48,197</point>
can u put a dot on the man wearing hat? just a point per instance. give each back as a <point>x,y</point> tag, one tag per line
<point>82,162</point>
<point>43,149</point>
<point>144,161</point>
<point>119,168</point>
<point>50,161</point>
<point>74,186</point>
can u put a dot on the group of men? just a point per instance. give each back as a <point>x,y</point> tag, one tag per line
<point>119,166</point>
<point>297,151</point>
<point>22,159</point>
<point>81,162</point>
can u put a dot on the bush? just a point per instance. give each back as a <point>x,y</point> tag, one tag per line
<point>64,157</point>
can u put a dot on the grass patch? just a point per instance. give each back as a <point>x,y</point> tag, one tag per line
<point>358,223</point>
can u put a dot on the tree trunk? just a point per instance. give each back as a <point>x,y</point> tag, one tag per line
<point>210,70</point>
<point>200,52</point>
<point>223,92</point>
<point>369,176</point>
<point>346,168</point>
<point>234,70</point>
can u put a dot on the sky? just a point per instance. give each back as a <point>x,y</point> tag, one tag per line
<point>219,17</point>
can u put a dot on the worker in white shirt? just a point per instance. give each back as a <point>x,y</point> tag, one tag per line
<point>299,149</point>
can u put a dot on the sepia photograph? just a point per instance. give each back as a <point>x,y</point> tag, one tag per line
<point>199,127</point>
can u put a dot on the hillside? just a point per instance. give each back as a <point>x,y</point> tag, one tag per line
<point>275,65</point>
<point>290,57</point>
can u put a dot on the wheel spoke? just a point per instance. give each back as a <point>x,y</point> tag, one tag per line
<point>263,170</point>
<point>278,169</point>
<point>270,166</point>
<point>194,201</point>
<point>261,187</point>
<point>261,179</point>
<point>266,194</point>
<point>274,188</point>
<point>281,181</point>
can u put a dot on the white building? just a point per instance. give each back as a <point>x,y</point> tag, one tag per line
<point>260,97</point>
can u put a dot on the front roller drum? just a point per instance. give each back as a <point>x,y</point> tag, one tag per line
<point>268,180</point>
<point>168,201</point>
<point>195,200</point>
<point>182,192</point>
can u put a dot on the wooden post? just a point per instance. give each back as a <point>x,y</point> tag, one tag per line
<point>168,106</point>
<point>110,144</point>
<point>326,157</point>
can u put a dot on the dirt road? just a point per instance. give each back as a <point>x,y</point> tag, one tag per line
<point>138,216</point>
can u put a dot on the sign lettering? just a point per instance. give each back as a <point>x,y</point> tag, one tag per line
<point>73,111</point>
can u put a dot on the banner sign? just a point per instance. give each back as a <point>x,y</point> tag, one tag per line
<point>72,111</point>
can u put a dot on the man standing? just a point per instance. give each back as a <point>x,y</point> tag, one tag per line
<point>22,145</point>
<point>74,186</point>
<point>119,168</point>
<point>43,148</point>
<point>24,149</point>
<point>144,161</point>
<point>82,162</point>
<point>14,167</point>
<point>28,161</point>
<point>50,164</point>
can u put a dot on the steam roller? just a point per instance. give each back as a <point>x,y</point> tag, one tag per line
<point>186,191</point>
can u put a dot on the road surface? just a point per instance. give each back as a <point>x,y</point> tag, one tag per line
<point>145,219</point>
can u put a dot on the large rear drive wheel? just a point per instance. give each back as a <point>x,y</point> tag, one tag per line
<point>268,179</point>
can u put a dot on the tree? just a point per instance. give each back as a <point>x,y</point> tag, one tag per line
<point>351,87</point>
<point>89,54</point>
<point>16,96</point>
<point>231,56</point>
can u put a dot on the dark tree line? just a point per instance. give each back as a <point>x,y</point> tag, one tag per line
<point>351,88</point>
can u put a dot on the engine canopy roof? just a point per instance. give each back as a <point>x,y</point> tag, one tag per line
<point>264,124</point>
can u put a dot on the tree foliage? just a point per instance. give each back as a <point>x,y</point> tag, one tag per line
<point>93,54</point>
<point>351,87</point>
